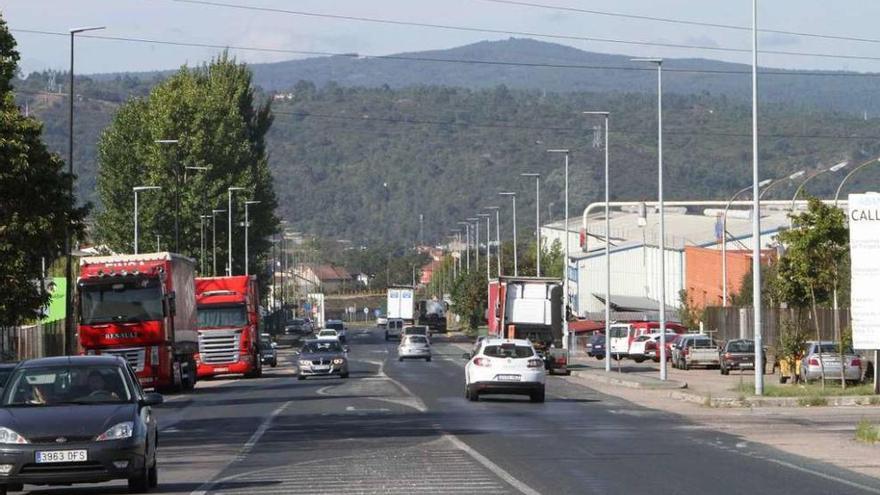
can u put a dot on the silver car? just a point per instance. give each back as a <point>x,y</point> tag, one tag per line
<point>414,347</point>
<point>827,353</point>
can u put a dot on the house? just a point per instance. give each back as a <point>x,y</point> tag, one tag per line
<point>327,278</point>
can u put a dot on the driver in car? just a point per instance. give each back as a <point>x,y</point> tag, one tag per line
<point>98,386</point>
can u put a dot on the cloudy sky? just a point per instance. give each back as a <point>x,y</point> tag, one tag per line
<point>173,21</point>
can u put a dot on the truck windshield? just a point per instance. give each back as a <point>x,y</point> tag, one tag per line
<point>113,301</point>
<point>222,316</point>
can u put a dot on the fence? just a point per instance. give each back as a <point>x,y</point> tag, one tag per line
<point>32,341</point>
<point>736,323</point>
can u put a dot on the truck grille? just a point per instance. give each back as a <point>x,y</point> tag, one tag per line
<point>219,346</point>
<point>136,356</point>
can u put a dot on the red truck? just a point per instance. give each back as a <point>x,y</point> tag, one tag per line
<point>142,307</point>
<point>530,308</point>
<point>229,322</point>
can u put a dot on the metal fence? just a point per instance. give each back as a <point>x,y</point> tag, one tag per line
<point>32,341</point>
<point>737,323</point>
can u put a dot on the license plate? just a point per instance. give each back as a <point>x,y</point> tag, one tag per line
<point>50,456</point>
<point>320,368</point>
<point>507,378</point>
<point>221,370</point>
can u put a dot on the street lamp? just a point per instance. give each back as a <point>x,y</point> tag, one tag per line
<point>214,242</point>
<point>537,220</point>
<point>853,171</point>
<point>456,259</point>
<point>136,190</point>
<point>513,197</point>
<point>565,289</point>
<point>724,238</point>
<point>70,331</point>
<point>229,192</point>
<point>773,184</point>
<point>797,192</point>
<point>497,236</point>
<point>488,244</point>
<point>467,248</point>
<point>606,116</point>
<point>756,216</point>
<point>476,227</point>
<point>662,244</point>
<point>246,225</point>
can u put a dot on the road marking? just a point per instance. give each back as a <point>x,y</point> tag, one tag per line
<point>491,466</point>
<point>246,448</point>
<point>823,475</point>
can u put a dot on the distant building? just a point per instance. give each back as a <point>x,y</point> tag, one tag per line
<point>327,278</point>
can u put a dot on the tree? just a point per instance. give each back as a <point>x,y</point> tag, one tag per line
<point>470,297</point>
<point>212,113</point>
<point>816,247</point>
<point>35,201</point>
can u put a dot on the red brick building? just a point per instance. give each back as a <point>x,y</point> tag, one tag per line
<point>703,273</point>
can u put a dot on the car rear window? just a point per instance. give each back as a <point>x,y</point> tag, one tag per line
<point>416,339</point>
<point>740,346</point>
<point>509,351</point>
<point>702,343</point>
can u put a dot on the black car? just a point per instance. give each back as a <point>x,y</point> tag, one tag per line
<point>596,346</point>
<point>80,419</point>
<point>322,358</point>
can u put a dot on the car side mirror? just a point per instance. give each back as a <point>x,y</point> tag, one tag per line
<point>466,356</point>
<point>152,399</point>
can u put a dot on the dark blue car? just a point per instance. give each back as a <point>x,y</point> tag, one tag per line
<point>596,346</point>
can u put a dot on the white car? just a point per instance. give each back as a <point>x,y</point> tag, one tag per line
<point>646,347</point>
<point>328,334</point>
<point>504,366</point>
<point>414,346</point>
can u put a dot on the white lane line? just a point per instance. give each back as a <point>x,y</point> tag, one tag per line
<point>246,448</point>
<point>823,475</point>
<point>491,466</point>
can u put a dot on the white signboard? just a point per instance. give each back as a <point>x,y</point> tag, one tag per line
<point>864,241</point>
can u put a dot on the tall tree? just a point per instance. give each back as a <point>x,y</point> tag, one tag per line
<point>35,200</point>
<point>220,130</point>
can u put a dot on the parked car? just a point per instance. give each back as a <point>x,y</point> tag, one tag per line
<point>738,354</point>
<point>504,366</point>
<point>695,350</point>
<point>79,419</point>
<point>339,326</point>
<point>647,346</point>
<point>322,358</point>
<point>268,350</point>
<point>596,346</point>
<point>827,353</point>
<point>394,329</point>
<point>381,321</point>
<point>414,346</point>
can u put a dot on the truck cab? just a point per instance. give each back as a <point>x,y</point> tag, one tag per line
<point>228,326</point>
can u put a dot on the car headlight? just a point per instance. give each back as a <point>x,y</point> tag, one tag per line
<point>338,361</point>
<point>117,432</point>
<point>8,436</point>
<point>305,362</point>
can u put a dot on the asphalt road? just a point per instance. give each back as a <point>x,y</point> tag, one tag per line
<point>406,428</point>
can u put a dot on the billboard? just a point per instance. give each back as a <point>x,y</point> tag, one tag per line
<point>864,242</point>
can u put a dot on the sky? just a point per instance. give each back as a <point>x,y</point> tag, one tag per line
<point>171,20</point>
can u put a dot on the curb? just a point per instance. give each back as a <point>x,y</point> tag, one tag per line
<point>631,382</point>
<point>748,402</point>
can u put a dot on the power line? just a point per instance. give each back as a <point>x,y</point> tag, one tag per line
<point>409,58</point>
<point>451,27</point>
<point>683,21</point>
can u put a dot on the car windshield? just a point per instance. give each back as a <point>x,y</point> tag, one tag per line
<point>702,343</point>
<point>619,332</point>
<point>56,386</point>
<point>415,330</point>
<point>741,346</point>
<point>222,316</point>
<point>335,325</point>
<point>327,333</point>
<point>508,351</point>
<point>417,339</point>
<point>139,299</point>
<point>320,347</point>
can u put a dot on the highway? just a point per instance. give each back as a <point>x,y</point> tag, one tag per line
<point>406,428</point>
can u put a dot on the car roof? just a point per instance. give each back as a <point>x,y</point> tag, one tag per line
<point>72,360</point>
<point>497,341</point>
<point>328,330</point>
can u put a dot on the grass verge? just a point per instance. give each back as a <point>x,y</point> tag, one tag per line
<point>806,390</point>
<point>866,432</point>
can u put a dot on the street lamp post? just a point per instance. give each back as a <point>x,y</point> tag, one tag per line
<point>812,176</point>
<point>488,244</point>
<point>202,244</point>
<point>476,227</point>
<point>773,184</point>
<point>724,239</point>
<point>515,263</point>
<point>756,216</point>
<point>136,190</point>
<point>497,236</point>
<point>246,226</point>
<point>567,260</point>
<point>455,259</point>
<point>662,243</point>
<point>69,322</point>
<point>229,192</point>
<point>467,248</point>
<point>537,178</point>
<point>606,116</point>
<point>214,242</point>
<point>850,174</point>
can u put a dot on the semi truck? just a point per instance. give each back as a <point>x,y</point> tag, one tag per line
<point>432,314</point>
<point>530,308</point>
<point>229,322</point>
<point>142,307</point>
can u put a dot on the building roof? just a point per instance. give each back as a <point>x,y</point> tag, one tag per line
<point>329,273</point>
